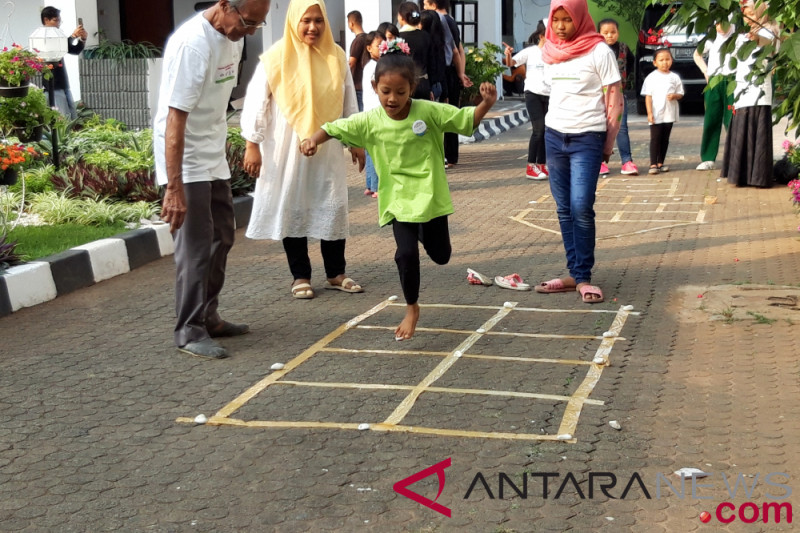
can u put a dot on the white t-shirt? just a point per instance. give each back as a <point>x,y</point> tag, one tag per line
<point>370,97</point>
<point>198,75</point>
<point>577,101</point>
<point>715,64</point>
<point>535,80</point>
<point>658,85</point>
<point>747,94</point>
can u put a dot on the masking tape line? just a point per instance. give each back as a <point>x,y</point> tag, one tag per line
<point>572,413</point>
<point>443,390</point>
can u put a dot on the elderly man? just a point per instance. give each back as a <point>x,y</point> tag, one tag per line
<point>77,40</point>
<point>199,72</point>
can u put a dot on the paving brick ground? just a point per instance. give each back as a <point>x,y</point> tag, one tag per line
<point>91,387</point>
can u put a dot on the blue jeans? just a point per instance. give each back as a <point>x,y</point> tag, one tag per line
<point>372,174</point>
<point>623,141</point>
<point>573,160</point>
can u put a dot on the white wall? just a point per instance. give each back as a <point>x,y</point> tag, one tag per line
<point>526,20</point>
<point>373,14</point>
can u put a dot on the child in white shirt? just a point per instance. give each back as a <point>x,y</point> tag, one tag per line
<point>662,89</point>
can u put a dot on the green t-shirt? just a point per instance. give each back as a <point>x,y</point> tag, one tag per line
<point>412,184</point>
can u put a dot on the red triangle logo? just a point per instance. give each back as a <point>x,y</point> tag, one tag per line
<point>401,487</point>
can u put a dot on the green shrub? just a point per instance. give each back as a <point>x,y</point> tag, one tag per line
<point>60,208</point>
<point>37,179</point>
<point>55,208</point>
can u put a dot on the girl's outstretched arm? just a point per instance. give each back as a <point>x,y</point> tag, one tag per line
<point>489,94</point>
<point>308,147</point>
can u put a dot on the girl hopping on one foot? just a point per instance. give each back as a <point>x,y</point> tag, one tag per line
<point>405,139</point>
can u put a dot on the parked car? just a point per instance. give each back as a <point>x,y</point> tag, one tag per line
<point>652,36</point>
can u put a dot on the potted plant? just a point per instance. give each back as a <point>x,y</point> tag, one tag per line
<point>25,117</point>
<point>12,157</point>
<point>482,64</point>
<point>17,67</point>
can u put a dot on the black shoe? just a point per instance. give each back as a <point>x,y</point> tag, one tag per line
<point>228,329</point>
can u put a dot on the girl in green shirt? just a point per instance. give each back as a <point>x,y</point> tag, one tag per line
<point>405,139</point>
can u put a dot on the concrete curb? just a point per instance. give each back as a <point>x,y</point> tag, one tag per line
<point>62,273</point>
<point>496,126</point>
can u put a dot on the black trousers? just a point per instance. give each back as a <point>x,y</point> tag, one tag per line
<point>536,104</point>
<point>659,142</point>
<point>453,95</point>
<point>434,236</point>
<point>299,263</point>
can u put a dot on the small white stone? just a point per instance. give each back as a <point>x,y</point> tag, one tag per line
<point>277,366</point>
<point>393,298</point>
<point>690,472</point>
<point>200,419</point>
<point>533,202</point>
<point>363,427</point>
<point>599,360</point>
<point>627,308</point>
<point>610,518</point>
<point>677,199</point>
<point>607,334</point>
<point>645,201</point>
<point>480,330</point>
<point>719,179</point>
<point>508,304</point>
<point>614,424</point>
<point>564,436</point>
<point>352,324</point>
<point>458,353</point>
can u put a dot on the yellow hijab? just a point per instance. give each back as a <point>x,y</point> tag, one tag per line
<point>306,81</point>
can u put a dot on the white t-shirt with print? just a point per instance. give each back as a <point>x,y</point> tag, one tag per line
<point>658,85</point>
<point>535,80</point>
<point>371,100</point>
<point>198,74</point>
<point>577,101</point>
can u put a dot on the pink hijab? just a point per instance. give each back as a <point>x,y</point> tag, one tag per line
<point>586,38</point>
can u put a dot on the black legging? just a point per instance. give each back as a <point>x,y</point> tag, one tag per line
<point>536,105</point>
<point>434,236</point>
<point>300,265</point>
<point>659,142</point>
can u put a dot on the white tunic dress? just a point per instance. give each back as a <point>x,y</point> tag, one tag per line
<point>295,196</point>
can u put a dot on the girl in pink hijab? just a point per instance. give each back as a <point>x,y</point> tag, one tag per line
<point>581,124</point>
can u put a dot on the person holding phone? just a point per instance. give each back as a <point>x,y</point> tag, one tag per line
<point>77,40</point>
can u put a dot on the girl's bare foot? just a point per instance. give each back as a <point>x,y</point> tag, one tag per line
<point>409,324</point>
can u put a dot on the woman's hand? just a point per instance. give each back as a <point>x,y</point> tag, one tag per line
<point>252,159</point>
<point>308,147</point>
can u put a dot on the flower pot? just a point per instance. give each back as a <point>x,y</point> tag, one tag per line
<point>9,176</point>
<point>7,91</point>
<point>34,136</point>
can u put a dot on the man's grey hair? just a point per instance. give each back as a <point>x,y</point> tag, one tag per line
<point>240,3</point>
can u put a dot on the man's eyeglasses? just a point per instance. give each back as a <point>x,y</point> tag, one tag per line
<point>248,24</point>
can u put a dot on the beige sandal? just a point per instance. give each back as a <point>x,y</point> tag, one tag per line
<point>347,285</point>
<point>302,291</point>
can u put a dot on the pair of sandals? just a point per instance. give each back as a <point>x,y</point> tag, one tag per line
<point>590,294</point>
<point>304,291</point>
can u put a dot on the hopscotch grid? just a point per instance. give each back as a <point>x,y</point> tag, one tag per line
<point>623,192</point>
<point>570,418</point>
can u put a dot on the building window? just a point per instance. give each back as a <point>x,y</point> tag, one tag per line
<point>465,13</point>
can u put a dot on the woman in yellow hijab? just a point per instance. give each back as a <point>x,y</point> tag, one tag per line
<point>304,82</point>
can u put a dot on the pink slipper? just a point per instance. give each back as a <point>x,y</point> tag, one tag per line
<point>513,282</point>
<point>554,285</point>
<point>590,290</point>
